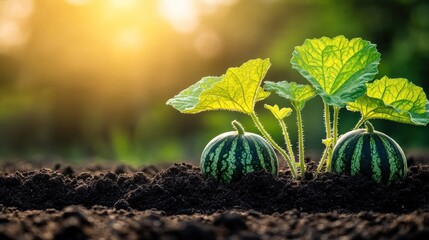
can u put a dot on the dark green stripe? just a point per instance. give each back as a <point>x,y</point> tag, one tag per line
<point>274,163</point>
<point>223,163</point>
<point>356,158</point>
<point>270,159</point>
<point>258,146</point>
<point>206,162</point>
<point>256,164</point>
<point>366,159</point>
<point>348,152</point>
<point>338,158</point>
<point>399,162</point>
<point>375,161</point>
<point>381,150</point>
<point>263,146</point>
<point>239,170</point>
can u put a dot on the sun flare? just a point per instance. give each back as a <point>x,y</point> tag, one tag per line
<point>182,14</point>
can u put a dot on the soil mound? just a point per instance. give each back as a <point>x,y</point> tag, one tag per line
<point>181,189</point>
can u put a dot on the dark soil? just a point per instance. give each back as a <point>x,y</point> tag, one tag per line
<point>62,202</point>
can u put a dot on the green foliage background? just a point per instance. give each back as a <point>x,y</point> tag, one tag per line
<point>66,93</point>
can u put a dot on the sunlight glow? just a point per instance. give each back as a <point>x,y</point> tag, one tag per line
<point>208,44</point>
<point>123,4</point>
<point>129,39</point>
<point>182,14</point>
<point>78,2</point>
<point>17,8</point>
<point>10,33</point>
<point>210,6</point>
<point>13,17</point>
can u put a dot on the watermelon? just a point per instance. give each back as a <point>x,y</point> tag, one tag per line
<point>231,155</point>
<point>370,153</point>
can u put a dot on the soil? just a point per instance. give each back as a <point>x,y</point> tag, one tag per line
<point>176,202</point>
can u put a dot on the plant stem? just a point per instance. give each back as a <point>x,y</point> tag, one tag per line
<point>327,121</point>
<point>335,125</point>
<point>322,160</point>
<point>335,136</point>
<point>369,127</point>
<point>273,143</point>
<point>358,124</point>
<point>327,116</point>
<point>300,142</point>
<point>287,140</point>
<point>238,127</point>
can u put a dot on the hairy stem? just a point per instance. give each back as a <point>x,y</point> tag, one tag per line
<point>334,140</point>
<point>322,160</point>
<point>327,116</point>
<point>327,121</point>
<point>335,125</point>
<point>358,124</point>
<point>273,143</point>
<point>287,140</point>
<point>300,142</point>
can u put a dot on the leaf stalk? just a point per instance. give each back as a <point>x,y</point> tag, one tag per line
<point>322,160</point>
<point>334,138</point>
<point>274,144</point>
<point>300,141</point>
<point>359,123</point>
<point>327,116</point>
<point>287,140</point>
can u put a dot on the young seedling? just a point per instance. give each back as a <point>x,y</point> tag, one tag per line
<point>280,115</point>
<point>297,95</point>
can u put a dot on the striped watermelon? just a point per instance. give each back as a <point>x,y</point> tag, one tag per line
<point>230,155</point>
<point>370,153</point>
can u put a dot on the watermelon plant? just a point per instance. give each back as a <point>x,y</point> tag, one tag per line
<point>339,70</point>
<point>230,155</point>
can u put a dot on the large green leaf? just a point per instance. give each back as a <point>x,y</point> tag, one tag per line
<point>394,99</point>
<point>237,90</point>
<point>298,94</point>
<point>337,68</point>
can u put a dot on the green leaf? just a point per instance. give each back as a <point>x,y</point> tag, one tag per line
<point>278,113</point>
<point>337,68</point>
<point>298,94</point>
<point>394,99</point>
<point>237,90</point>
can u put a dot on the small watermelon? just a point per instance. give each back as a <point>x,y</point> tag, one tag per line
<point>370,153</point>
<point>231,155</point>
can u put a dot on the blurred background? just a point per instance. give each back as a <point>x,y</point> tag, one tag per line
<point>88,79</point>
